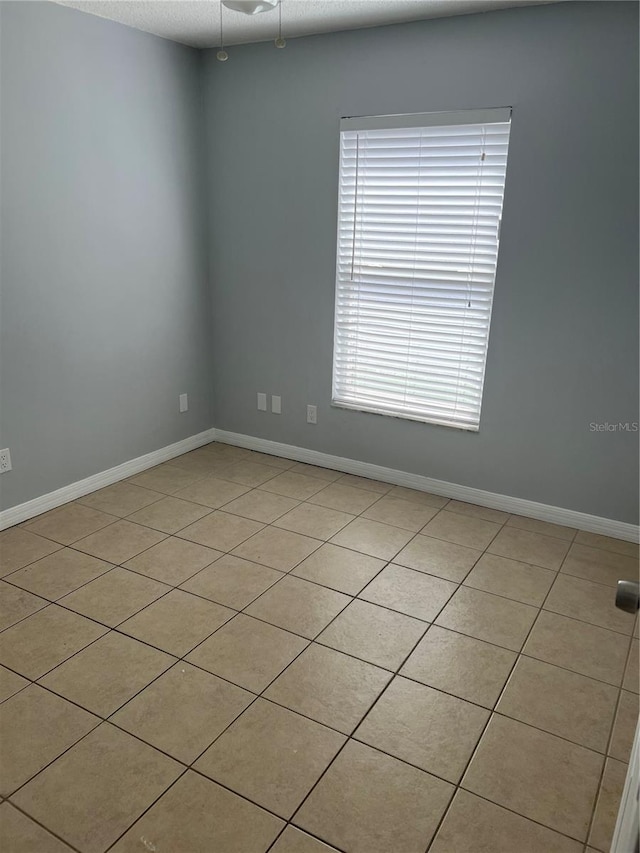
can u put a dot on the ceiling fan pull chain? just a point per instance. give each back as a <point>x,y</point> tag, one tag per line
<point>280,42</point>
<point>222,54</point>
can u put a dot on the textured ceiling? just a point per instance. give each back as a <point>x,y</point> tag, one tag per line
<point>197,22</point>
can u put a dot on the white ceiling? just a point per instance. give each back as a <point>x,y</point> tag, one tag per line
<point>197,22</point>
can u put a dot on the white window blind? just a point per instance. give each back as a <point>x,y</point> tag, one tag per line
<point>420,205</point>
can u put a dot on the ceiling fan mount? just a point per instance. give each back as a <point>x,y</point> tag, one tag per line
<point>251,7</point>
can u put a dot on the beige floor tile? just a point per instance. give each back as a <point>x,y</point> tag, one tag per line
<point>269,459</point>
<point>581,709</point>
<point>177,622</point>
<point>427,728</point>
<point>119,542</point>
<point>271,756</point>
<point>545,551</point>
<point>201,461</point>
<point>19,547</point>
<point>624,727</point>
<point>232,581</point>
<point>632,671</point>
<point>373,634</point>
<point>536,774</point>
<point>248,473</point>
<point>293,840</point>
<point>45,639</point>
<point>35,728</point>
<point>408,515</point>
<point>169,514</point>
<point>607,543</point>
<point>277,549</point>
<point>261,506</point>
<point>339,568</point>
<point>248,652</point>
<point>477,511</point>
<point>16,604</point>
<point>368,802</point>
<point>165,478</point>
<point>114,596</point>
<point>373,538</point>
<point>462,529</point>
<point>59,573</point>
<point>578,646</point>
<point>92,793</point>
<point>107,673</point>
<point>436,557</point>
<point>312,520</point>
<point>425,498</point>
<point>212,492</point>
<point>298,606</point>
<point>198,816</point>
<point>120,499</point>
<point>604,567</point>
<point>589,602</point>
<point>606,811</point>
<point>413,593</point>
<point>344,498</point>
<point>218,450</point>
<point>68,523</point>
<point>332,688</point>
<point>10,683</point>
<point>466,667</point>
<point>546,528</point>
<point>22,835</point>
<point>519,581</point>
<point>183,711</point>
<point>327,474</point>
<point>365,483</point>
<point>221,530</point>
<point>474,824</point>
<point>488,617</point>
<point>298,486</point>
<point>173,560</point>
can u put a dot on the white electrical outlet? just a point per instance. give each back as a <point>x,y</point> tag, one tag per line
<point>5,460</point>
<point>262,402</point>
<point>184,402</point>
<point>312,414</point>
<point>276,404</point>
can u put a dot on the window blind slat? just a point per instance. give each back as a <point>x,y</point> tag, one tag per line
<point>418,230</point>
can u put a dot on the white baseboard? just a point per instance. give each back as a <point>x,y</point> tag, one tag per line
<point>22,512</point>
<point>518,506</point>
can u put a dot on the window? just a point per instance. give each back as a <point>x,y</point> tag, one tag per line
<point>419,213</point>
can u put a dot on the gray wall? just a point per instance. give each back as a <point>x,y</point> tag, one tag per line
<point>105,308</point>
<point>563,351</point>
<point>106,312</point>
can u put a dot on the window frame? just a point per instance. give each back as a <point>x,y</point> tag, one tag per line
<point>499,115</point>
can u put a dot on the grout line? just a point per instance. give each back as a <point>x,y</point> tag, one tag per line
<point>362,718</point>
<point>172,587</point>
<point>46,828</point>
<point>394,673</point>
<point>609,740</point>
<point>330,849</point>
<point>490,718</point>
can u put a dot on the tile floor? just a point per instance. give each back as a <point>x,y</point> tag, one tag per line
<point>235,653</point>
